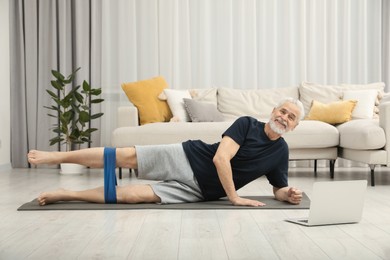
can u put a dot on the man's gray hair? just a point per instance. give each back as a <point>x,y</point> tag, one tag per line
<point>296,102</point>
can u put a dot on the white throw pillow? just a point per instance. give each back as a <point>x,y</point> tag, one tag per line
<point>364,108</point>
<point>176,103</point>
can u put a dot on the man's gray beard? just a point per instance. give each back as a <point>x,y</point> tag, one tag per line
<point>275,128</point>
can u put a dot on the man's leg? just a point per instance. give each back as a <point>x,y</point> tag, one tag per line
<point>94,158</point>
<point>91,157</point>
<point>125,194</point>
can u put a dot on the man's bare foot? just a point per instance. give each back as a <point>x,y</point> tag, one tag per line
<point>54,196</point>
<point>40,157</point>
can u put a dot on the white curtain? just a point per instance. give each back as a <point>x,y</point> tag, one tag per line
<point>46,35</point>
<point>238,44</point>
<point>245,44</point>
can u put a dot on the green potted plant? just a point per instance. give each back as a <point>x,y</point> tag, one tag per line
<point>73,111</point>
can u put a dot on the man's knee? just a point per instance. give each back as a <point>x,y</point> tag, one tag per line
<point>126,158</point>
<point>137,194</point>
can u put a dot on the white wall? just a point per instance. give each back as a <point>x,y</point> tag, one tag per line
<point>5,158</point>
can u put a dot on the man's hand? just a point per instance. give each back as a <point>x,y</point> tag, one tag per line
<point>289,194</point>
<point>294,195</point>
<point>238,201</point>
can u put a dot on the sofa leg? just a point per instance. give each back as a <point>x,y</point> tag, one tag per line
<point>372,169</point>
<point>120,173</point>
<point>331,168</point>
<point>315,168</point>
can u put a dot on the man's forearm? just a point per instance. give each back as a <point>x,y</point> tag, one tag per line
<point>226,177</point>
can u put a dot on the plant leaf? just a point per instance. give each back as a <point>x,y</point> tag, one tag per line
<point>96,115</point>
<point>86,86</point>
<point>79,97</point>
<point>57,85</point>
<point>84,117</point>
<point>99,100</point>
<point>75,133</point>
<point>85,140</point>
<point>71,76</point>
<point>96,91</point>
<point>90,130</point>
<point>55,140</point>
<point>52,115</point>
<point>57,75</point>
<point>68,116</point>
<point>52,108</point>
<point>52,94</point>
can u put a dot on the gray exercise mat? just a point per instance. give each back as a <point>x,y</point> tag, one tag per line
<point>271,202</point>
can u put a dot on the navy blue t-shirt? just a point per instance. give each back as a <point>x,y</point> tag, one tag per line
<point>257,156</point>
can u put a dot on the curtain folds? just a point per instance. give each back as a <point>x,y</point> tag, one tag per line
<point>192,43</point>
<point>243,44</point>
<point>386,43</point>
<point>46,35</point>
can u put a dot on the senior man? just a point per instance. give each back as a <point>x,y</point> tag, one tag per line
<point>194,171</point>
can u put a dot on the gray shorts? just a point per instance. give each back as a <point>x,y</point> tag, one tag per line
<point>169,164</point>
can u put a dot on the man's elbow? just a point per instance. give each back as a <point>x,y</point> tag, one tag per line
<point>219,160</point>
<point>216,159</point>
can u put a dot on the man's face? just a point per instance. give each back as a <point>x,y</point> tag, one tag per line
<point>284,118</point>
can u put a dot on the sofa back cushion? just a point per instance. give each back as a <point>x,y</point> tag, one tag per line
<point>204,94</point>
<point>258,103</point>
<point>332,93</point>
<point>321,93</point>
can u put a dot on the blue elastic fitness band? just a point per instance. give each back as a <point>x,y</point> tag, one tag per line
<point>109,175</point>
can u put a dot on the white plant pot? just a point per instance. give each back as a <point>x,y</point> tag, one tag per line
<point>72,168</point>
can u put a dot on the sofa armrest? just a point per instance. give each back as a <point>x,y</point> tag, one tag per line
<point>127,116</point>
<point>384,122</point>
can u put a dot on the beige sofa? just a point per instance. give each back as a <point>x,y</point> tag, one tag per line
<point>361,140</point>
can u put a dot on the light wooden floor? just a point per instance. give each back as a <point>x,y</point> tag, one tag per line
<point>181,234</point>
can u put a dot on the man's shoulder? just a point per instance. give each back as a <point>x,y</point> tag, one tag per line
<point>249,120</point>
<point>283,145</point>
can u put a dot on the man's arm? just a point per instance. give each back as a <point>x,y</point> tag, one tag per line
<point>225,152</point>
<point>290,194</point>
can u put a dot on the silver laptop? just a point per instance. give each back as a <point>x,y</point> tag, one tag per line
<point>335,202</point>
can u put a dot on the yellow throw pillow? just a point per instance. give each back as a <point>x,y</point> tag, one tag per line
<point>144,95</point>
<point>333,113</point>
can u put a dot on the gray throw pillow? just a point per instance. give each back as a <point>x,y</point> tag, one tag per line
<point>202,111</point>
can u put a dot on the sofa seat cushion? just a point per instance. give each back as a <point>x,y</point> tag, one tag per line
<point>362,134</point>
<point>312,134</point>
<point>167,133</point>
<point>315,134</point>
